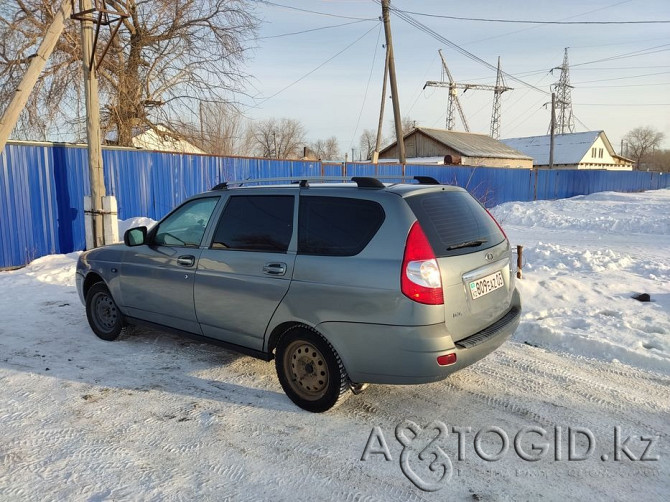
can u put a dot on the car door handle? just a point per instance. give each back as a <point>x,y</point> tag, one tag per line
<point>186,260</point>
<point>274,268</point>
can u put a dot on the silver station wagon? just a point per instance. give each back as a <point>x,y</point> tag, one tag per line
<point>342,284</point>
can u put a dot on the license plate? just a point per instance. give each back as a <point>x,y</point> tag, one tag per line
<point>485,285</point>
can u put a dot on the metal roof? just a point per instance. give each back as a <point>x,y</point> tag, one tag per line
<point>469,144</point>
<point>568,148</point>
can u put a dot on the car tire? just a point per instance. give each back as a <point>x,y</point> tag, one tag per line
<point>310,371</point>
<point>103,315</point>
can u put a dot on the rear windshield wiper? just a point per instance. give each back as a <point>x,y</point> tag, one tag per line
<point>467,244</point>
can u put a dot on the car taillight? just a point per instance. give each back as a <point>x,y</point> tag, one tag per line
<point>420,278</point>
<point>496,221</point>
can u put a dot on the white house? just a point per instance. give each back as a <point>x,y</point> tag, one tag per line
<point>156,139</point>
<point>581,150</point>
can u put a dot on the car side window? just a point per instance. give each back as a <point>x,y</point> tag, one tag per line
<point>186,226</point>
<point>256,223</point>
<point>337,226</point>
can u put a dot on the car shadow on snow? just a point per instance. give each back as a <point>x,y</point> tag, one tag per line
<point>57,342</point>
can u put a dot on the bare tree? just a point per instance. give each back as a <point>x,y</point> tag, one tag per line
<point>221,130</point>
<point>327,149</point>
<point>641,141</point>
<point>368,142</point>
<point>167,56</point>
<point>279,138</point>
<point>407,125</point>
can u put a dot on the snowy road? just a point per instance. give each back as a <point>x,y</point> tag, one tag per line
<point>157,417</point>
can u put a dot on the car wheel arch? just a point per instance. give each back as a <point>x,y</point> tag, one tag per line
<point>91,279</point>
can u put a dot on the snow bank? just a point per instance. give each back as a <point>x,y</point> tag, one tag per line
<point>609,212</point>
<point>583,260</point>
<point>138,221</point>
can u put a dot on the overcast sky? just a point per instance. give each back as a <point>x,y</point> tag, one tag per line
<point>330,78</point>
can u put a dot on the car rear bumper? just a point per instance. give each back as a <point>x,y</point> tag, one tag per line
<point>374,353</point>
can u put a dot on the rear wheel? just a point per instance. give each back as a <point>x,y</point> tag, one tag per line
<point>103,315</point>
<point>310,371</point>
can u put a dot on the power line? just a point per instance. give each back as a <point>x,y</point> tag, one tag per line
<point>623,104</point>
<point>316,12</point>
<point>315,29</point>
<point>641,52</point>
<point>315,69</point>
<point>422,27</point>
<point>528,21</point>
<point>625,85</point>
<point>367,86</point>
<point>565,18</point>
<point>621,78</point>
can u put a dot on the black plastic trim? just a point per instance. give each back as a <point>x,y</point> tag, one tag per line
<point>491,331</point>
<point>426,180</point>
<point>367,182</point>
<point>258,354</point>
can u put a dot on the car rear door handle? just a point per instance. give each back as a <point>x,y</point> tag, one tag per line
<point>274,268</point>
<point>186,260</point>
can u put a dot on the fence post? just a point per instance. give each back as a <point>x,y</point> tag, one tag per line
<point>519,261</point>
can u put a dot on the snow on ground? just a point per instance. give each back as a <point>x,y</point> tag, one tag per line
<point>157,417</point>
<point>585,257</point>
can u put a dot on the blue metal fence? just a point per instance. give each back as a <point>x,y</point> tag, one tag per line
<point>42,187</point>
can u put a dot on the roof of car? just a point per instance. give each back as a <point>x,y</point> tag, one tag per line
<point>399,187</point>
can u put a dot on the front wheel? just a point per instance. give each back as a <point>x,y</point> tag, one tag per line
<point>310,371</point>
<point>103,315</point>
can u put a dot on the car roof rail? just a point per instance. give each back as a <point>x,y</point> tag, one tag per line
<point>422,180</point>
<point>367,182</point>
<point>426,180</point>
<point>303,182</point>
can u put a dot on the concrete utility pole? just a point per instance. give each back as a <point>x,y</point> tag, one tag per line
<point>394,84</point>
<point>96,175</point>
<point>378,144</point>
<point>37,63</point>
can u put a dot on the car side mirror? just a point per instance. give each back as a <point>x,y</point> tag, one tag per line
<point>135,236</point>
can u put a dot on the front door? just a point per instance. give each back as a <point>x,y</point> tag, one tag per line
<point>157,278</point>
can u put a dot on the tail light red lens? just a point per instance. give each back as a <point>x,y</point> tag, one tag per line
<point>493,218</point>
<point>446,359</point>
<point>420,278</point>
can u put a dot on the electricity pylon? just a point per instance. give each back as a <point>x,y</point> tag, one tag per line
<point>454,103</point>
<point>565,120</point>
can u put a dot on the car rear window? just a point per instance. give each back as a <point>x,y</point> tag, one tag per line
<point>452,219</point>
<point>337,226</point>
<point>256,223</point>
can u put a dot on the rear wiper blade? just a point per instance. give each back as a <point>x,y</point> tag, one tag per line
<point>467,244</point>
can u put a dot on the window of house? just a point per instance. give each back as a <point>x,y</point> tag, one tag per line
<point>593,152</point>
<point>600,153</point>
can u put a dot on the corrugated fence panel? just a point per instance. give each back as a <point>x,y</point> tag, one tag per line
<point>42,187</point>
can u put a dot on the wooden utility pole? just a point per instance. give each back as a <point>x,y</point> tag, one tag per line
<point>394,84</point>
<point>96,175</point>
<point>37,63</point>
<point>552,128</point>
<point>378,144</point>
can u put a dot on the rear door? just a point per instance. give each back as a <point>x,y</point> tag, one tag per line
<point>473,255</point>
<point>246,270</point>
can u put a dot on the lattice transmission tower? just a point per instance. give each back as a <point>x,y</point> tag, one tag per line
<point>454,104</point>
<point>565,120</point>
